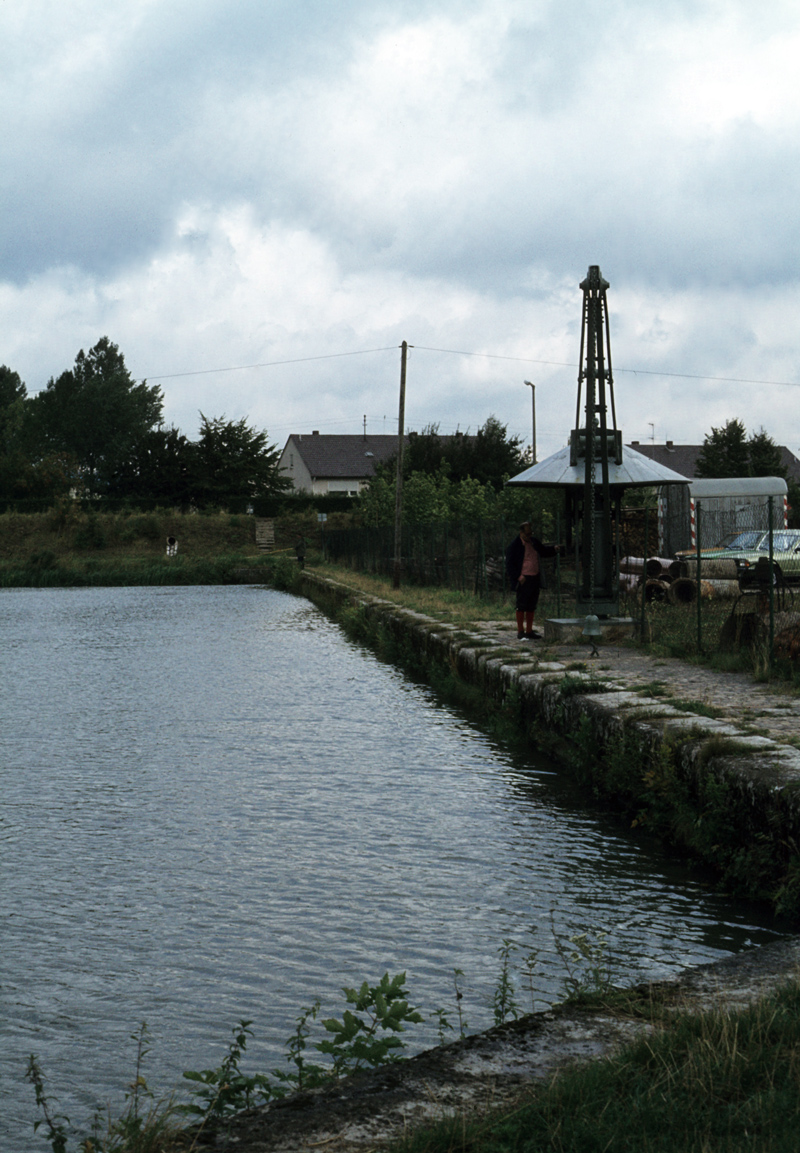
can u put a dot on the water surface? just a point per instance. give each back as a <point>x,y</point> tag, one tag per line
<point>215,806</point>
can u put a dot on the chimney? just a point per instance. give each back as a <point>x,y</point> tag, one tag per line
<point>670,446</point>
<point>634,443</point>
<point>315,432</point>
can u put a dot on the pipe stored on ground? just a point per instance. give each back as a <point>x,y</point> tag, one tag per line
<point>683,591</point>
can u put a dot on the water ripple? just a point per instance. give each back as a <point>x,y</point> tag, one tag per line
<point>215,806</point>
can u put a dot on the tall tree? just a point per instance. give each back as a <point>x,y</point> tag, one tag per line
<point>160,467</point>
<point>728,451</point>
<point>765,456</point>
<point>234,461</point>
<point>724,452</point>
<point>488,456</point>
<point>96,412</point>
<point>12,400</point>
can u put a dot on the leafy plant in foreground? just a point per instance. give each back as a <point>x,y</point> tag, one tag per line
<point>370,1039</point>
<point>55,1123</point>
<point>503,1001</point>
<point>227,1089</point>
<point>307,1075</point>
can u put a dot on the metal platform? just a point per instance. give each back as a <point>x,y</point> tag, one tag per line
<point>569,630</point>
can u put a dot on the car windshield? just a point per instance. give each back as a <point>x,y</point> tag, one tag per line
<point>781,542</point>
<point>745,540</point>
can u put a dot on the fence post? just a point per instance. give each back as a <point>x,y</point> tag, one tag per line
<point>699,598</point>
<point>644,572</point>
<point>463,558</point>
<point>558,563</point>
<point>771,587</point>
<point>480,575</point>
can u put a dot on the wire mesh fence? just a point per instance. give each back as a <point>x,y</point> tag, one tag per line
<point>732,591</point>
<point>468,556</point>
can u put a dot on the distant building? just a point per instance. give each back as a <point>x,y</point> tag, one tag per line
<point>682,458</point>
<point>334,464</point>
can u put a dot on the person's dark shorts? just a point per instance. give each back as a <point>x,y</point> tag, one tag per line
<point>528,594</point>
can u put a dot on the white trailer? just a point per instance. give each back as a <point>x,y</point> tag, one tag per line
<point>728,505</point>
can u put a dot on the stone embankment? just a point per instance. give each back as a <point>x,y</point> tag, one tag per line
<point>495,1068</point>
<point>756,726</point>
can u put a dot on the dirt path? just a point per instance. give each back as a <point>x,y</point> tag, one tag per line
<point>768,710</point>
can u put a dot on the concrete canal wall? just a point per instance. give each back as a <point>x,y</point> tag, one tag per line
<point>707,784</point>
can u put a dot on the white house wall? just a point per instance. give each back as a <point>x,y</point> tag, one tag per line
<point>291,463</point>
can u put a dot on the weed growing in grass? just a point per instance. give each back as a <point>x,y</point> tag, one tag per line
<point>699,708</point>
<point>307,1075</point>
<point>227,1089</point>
<point>588,971</point>
<point>503,1001</point>
<point>144,1126</point>
<point>55,1124</point>
<point>458,974</point>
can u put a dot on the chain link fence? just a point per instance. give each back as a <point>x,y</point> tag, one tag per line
<point>733,591</point>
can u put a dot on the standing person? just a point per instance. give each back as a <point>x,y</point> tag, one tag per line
<point>524,572</point>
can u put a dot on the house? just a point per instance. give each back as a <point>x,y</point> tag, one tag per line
<point>682,458</point>
<point>334,464</point>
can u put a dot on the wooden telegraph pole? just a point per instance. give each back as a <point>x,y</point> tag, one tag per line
<point>398,504</point>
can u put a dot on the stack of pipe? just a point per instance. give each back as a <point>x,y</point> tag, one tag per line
<point>665,579</point>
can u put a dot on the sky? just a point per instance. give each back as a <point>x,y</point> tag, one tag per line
<point>259,200</point>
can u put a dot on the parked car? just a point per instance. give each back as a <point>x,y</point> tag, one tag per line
<point>747,548</point>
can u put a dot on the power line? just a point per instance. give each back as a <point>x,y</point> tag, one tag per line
<point>635,371</point>
<point>267,363</point>
<point>464,352</point>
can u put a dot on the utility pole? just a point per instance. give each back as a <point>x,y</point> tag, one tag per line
<point>533,403</point>
<point>398,504</point>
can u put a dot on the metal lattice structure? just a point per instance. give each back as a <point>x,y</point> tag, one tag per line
<point>591,470</point>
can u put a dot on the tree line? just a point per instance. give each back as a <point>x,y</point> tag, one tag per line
<point>95,432</point>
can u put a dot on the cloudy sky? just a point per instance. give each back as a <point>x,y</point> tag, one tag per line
<point>221,185</point>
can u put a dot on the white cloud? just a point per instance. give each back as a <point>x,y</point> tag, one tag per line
<point>215,186</point>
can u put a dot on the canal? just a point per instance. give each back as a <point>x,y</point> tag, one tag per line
<point>215,806</point>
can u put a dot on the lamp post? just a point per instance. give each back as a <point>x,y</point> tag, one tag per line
<point>532,387</point>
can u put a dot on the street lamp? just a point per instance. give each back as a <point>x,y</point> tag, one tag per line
<point>532,387</point>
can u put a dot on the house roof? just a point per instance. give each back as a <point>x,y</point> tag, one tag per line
<point>352,456</point>
<point>682,458</point>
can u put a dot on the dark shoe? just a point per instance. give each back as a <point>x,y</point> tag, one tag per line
<point>531,637</point>
<point>520,636</point>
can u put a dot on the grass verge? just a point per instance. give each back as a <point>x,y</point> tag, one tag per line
<point>703,1083</point>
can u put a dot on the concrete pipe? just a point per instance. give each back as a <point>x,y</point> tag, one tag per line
<point>717,568</point>
<point>658,566</point>
<point>655,590</point>
<point>632,564</point>
<point>719,589</point>
<point>682,591</point>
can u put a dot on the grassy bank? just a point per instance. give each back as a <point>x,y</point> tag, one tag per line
<point>69,547</point>
<point>713,1082</point>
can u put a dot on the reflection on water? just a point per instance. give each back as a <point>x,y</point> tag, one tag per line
<point>215,806</point>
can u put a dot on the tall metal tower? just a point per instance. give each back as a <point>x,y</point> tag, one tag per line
<point>595,444</point>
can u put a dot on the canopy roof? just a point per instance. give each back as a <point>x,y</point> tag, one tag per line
<point>636,471</point>
<point>734,486</point>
